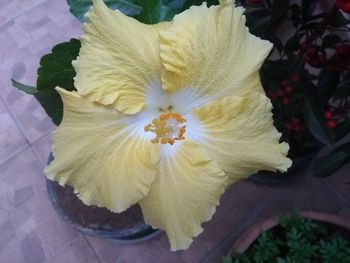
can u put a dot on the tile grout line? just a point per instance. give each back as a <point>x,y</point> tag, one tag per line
<point>20,128</point>
<point>330,188</point>
<point>22,13</point>
<point>14,154</point>
<point>243,222</point>
<point>93,249</point>
<point>14,118</point>
<point>27,146</point>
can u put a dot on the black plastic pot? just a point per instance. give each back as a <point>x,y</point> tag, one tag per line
<point>299,167</point>
<point>137,233</point>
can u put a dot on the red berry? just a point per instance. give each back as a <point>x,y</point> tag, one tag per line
<point>288,89</point>
<point>297,127</point>
<point>280,93</point>
<point>328,114</point>
<point>295,121</point>
<point>303,46</point>
<point>343,5</point>
<point>287,126</point>
<point>307,58</point>
<point>311,51</point>
<point>285,83</point>
<point>321,58</point>
<point>285,101</point>
<point>295,78</point>
<point>343,50</point>
<point>331,124</point>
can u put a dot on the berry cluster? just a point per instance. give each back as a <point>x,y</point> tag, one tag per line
<point>285,90</point>
<point>331,123</point>
<point>294,125</point>
<point>313,55</point>
<point>341,58</point>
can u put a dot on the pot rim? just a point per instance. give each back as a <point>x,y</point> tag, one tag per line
<point>252,233</point>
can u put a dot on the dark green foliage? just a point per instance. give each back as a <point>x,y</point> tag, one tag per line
<point>333,161</point>
<point>315,121</point>
<point>49,99</point>
<point>297,240</point>
<point>55,70</point>
<point>266,248</point>
<point>154,11</point>
<point>318,54</point>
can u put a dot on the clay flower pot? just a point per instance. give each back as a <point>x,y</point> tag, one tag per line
<point>249,236</point>
<point>127,227</point>
<point>299,167</point>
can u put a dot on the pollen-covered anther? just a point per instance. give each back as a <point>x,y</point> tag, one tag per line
<point>168,128</point>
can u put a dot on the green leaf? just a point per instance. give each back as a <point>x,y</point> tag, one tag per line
<point>307,8</point>
<point>56,68</point>
<point>343,90</point>
<point>175,4</point>
<point>295,14</point>
<point>80,7</point>
<point>154,11</point>
<point>227,259</point>
<point>50,100</point>
<point>338,20</point>
<point>189,3</point>
<point>26,88</point>
<point>341,131</point>
<point>331,162</point>
<point>316,123</point>
<point>259,25</point>
<point>52,103</point>
<point>330,40</point>
<point>327,84</point>
<point>277,43</point>
<point>292,44</point>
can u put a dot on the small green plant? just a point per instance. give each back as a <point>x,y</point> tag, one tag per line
<point>297,240</point>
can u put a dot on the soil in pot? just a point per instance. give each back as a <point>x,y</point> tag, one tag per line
<point>127,227</point>
<point>92,216</point>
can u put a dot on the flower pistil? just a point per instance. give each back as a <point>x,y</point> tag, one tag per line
<point>168,128</point>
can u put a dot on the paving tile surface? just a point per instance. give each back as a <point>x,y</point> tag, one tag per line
<point>30,229</point>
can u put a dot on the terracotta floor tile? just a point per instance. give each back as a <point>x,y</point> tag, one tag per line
<point>12,253</point>
<point>56,238</point>
<point>24,40</point>
<point>14,8</point>
<point>20,171</point>
<point>340,183</point>
<point>43,148</point>
<point>11,139</point>
<point>8,233</point>
<point>79,252</point>
<point>32,249</point>
<point>150,251</point>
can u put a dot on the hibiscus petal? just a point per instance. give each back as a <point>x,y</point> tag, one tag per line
<point>238,133</point>
<point>184,194</point>
<point>211,51</point>
<point>118,59</point>
<point>108,162</point>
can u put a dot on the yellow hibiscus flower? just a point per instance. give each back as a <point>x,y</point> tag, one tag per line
<point>166,115</point>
